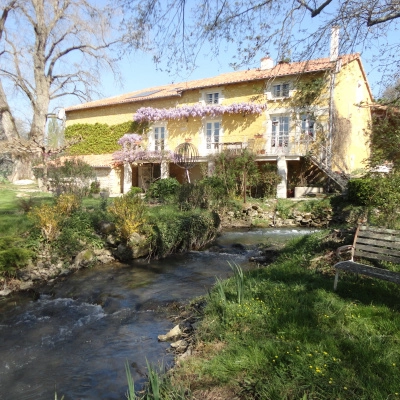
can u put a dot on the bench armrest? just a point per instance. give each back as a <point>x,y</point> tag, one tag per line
<point>344,249</point>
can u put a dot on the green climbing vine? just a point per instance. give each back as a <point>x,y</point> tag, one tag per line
<point>100,138</point>
<point>308,92</point>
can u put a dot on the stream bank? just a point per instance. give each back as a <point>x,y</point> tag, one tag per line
<point>76,335</point>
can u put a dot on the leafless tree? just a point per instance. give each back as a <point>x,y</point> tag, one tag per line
<point>296,29</point>
<point>391,94</point>
<point>49,49</point>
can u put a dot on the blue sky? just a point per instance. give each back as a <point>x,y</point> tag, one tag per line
<point>138,72</point>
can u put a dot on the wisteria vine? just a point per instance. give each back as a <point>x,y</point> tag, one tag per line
<point>132,151</point>
<point>150,114</point>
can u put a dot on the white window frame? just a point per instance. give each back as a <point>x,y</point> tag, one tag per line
<point>210,139</point>
<point>280,131</point>
<point>281,90</point>
<point>273,93</point>
<point>211,96</point>
<point>307,127</point>
<point>157,143</point>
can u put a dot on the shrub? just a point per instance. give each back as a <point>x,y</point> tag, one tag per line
<point>163,190</point>
<point>175,231</point>
<point>380,192</point>
<point>267,181</point>
<point>67,203</point>
<point>135,191</point>
<point>360,190</point>
<point>48,219</point>
<point>78,232</point>
<point>94,187</point>
<point>12,255</point>
<point>129,214</point>
<point>13,258</point>
<point>72,176</point>
<point>26,205</point>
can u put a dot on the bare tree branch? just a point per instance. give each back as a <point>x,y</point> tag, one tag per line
<point>50,49</point>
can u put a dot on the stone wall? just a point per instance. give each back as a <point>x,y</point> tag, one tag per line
<point>254,215</point>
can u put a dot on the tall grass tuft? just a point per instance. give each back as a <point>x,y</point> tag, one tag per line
<point>154,389</point>
<point>130,394</point>
<point>220,290</point>
<point>238,278</point>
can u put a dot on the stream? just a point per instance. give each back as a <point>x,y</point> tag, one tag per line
<point>77,336</point>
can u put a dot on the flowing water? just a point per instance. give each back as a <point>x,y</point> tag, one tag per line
<point>77,336</point>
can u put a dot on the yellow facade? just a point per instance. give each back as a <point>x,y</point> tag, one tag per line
<point>334,124</point>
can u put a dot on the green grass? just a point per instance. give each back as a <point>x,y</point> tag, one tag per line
<point>13,220</point>
<point>292,337</point>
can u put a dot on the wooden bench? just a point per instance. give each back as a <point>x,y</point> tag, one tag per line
<point>373,244</point>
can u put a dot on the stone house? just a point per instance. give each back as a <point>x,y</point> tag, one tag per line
<point>308,118</point>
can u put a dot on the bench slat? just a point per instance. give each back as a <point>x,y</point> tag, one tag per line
<point>377,256</point>
<point>374,272</point>
<point>377,250</point>
<point>380,243</point>
<point>379,230</point>
<point>379,237</point>
<point>376,244</point>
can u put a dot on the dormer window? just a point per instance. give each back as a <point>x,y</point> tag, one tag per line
<point>281,90</point>
<point>212,98</point>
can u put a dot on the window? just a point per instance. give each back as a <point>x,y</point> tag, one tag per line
<point>280,131</point>
<point>159,138</point>
<point>212,98</point>
<point>281,90</point>
<point>213,131</point>
<point>307,126</point>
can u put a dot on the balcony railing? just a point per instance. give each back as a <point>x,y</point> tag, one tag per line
<point>293,144</point>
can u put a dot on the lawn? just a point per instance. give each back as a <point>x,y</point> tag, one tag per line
<point>281,332</point>
<point>14,201</point>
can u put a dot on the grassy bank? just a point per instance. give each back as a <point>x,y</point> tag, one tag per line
<point>280,332</point>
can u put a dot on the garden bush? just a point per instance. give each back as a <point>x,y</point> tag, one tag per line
<point>163,190</point>
<point>13,255</point>
<point>174,231</point>
<point>380,195</point>
<point>130,215</point>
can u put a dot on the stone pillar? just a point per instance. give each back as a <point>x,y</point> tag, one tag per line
<point>127,177</point>
<point>164,169</point>
<point>281,190</point>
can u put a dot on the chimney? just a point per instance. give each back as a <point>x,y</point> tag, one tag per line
<point>334,48</point>
<point>267,63</point>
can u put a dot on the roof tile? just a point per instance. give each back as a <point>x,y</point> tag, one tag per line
<point>175,89</point>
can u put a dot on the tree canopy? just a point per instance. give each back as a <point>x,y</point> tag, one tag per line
<point>295,29</point>
<point>49,49</point>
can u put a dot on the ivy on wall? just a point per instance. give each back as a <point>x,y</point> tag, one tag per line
<point>100,138</point>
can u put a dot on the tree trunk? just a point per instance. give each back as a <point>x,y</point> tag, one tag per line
<point>22,168</point>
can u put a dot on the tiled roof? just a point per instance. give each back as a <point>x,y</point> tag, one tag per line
<point>175,90</point>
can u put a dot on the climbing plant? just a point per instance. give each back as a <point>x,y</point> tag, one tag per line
<point>100,138</point>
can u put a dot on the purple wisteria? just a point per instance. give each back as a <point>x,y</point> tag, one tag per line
<point>150,114</point>
<point>132,156</point>
<point>132,151</point>
<point>130,139</point>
